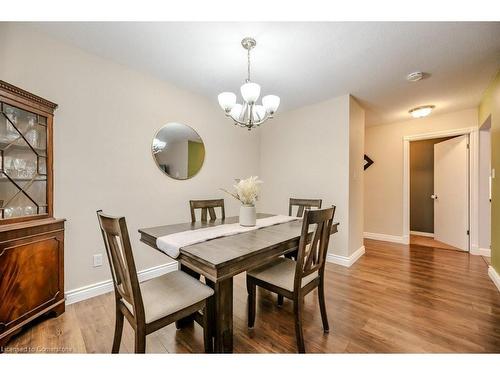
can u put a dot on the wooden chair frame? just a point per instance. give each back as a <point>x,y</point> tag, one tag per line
<point>126,285</point>
<point>310,259</point>
<point>207,206</point>
<point>303,204</point>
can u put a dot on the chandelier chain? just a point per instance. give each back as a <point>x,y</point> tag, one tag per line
<point>248,60</point>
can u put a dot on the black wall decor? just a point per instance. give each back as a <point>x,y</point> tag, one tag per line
<point>368,162</point>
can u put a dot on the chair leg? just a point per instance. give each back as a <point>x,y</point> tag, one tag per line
<point>252,291</point>
<point>322,306</point>
<point>118,331</point>
<point>280,300</point>
<point>140,340</point>
<point>297,309</point>
<point>207,334</point>
<point>248,286</point>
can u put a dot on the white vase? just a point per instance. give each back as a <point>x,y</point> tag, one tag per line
<point>248,215</point>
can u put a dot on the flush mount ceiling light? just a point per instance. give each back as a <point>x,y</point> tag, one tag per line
<point>421,111</point>
<point>249,114</point>
<point>415,76</point>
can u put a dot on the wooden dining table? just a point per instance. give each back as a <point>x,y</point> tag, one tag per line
<point>219,259</point>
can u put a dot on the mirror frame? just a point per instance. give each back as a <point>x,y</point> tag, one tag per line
<point>156,161</point>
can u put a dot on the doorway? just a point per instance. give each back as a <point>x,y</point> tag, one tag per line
<point>470,203</point>
<point>439,197</point>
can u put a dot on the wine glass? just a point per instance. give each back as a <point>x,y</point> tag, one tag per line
<point>17,166</point>
<point>7,212</point>
<point>22,166</point>
<point>31,120</point>
<point>11,131</point>
<point>18,211</point>
<point>8,165</point>
<point>30,168</point>
<point>32,137</point>
<point>29,210</point>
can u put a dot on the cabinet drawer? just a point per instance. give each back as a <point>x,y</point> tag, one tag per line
<point>31,276</point>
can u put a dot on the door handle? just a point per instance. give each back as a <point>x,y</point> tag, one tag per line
<point>434,196</point>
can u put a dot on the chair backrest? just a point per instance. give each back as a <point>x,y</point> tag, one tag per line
<point>311,257</point>
<point>121,260</point>
<point>303,204</point>
<point>207,206</point>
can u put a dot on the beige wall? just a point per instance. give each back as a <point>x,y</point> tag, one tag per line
<point>356,174</point>
<point>107,117</point>
<point>384,179</point>
<point>305,153</point>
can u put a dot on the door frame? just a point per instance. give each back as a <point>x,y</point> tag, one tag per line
<point>473,133</point>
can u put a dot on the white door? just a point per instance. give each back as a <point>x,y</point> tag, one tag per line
<point>451,192</point>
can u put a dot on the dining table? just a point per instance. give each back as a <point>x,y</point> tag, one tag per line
<point>220,259</point>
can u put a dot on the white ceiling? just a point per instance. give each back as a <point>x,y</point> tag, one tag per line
<point>305,63</point>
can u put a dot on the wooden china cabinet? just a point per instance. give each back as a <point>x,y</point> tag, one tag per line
<point>31,239</point>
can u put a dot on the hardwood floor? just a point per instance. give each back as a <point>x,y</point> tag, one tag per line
<point>396,298</point>
<point>430,242</point>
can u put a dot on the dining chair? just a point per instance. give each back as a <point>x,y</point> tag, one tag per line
<point>207,206</point>
<point>301,204</point>
<point>294,279</point>
<point>155,303</point>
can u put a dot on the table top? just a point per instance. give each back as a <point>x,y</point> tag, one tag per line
<point>228,251</point>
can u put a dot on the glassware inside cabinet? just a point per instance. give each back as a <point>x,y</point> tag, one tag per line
<point>8,122</point>
<point>23,161</point>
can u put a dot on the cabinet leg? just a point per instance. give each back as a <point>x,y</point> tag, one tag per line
<point>59,309</point>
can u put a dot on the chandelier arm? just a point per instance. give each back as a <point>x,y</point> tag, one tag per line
<point>246,124</point>
<point>250,115</point>
<point>244,112</point>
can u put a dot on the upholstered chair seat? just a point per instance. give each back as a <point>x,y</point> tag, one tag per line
<point>167,294</point>
<point>281,273</point>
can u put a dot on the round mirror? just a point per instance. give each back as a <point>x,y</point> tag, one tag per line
<point>178,150</point>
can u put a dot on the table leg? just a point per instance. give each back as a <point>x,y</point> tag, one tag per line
<point>188,319</point>
<point>221,313</point>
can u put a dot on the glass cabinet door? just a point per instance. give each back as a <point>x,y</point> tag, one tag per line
<point>23,167</point>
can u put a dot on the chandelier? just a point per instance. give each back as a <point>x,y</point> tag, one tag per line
<point>249,114</point>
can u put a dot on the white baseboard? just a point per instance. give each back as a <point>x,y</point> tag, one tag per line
<point>480,251</point>
<point>343,260</point>
<point>386,237</point>
<point>93,290</point>
<point>425,234</point>
<point>494,276</point>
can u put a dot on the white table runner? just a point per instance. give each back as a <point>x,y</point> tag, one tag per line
<point>170,244</point>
